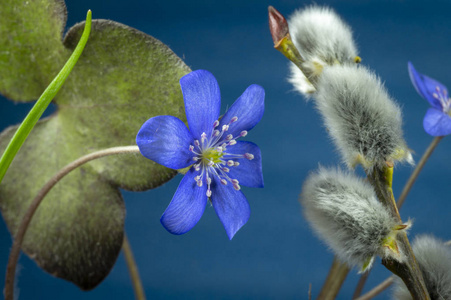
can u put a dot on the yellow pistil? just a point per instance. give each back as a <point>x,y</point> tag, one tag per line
<point>211,155</point>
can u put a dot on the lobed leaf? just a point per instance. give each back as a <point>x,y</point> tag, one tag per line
<point>122,78</point>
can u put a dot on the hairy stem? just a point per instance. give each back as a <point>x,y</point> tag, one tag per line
<point>378,289</point>
<point>22,229</point>
<point>417,170</point>
<point>133,270</point>
<point>38,109</point>
<point>408,269</point>
<point>334,281</point>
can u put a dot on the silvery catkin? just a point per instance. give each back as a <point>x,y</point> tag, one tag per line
<point>344,211</point>
<point>362,119</point>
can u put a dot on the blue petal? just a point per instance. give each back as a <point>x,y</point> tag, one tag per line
<point>231,207</point>
<point>427,86</point>
<point>249,172</point>
<point>166,140</point>
<point>249,108</point>
<point>186,207</point>
<point>436,122</point>
<point>202,101</point>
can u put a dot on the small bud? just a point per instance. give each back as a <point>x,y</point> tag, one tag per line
<point>277,25</point>
<point>434,259</point>
<point>344,211</point>
<point>362,119</point>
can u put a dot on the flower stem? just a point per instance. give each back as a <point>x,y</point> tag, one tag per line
<point>417,170</point>
<point>337,275</point>
<point>22,229</point>
<point>378,289</point>
<point>38,109</point>
<point>133,270</point>
<point>408,270</point>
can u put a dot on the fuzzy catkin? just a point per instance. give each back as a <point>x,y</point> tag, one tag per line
<point>362,119</point>
<point>434,259</point>
<point>322,39</point>
<point>344,211</point>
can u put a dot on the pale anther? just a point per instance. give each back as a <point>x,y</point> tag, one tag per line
<point>215,124</point>
<point>249,156</point>
<point>234,119</point>
<point>223,181</point>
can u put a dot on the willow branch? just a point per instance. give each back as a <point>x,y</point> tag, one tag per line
<point>378,289</point>
<point>408,270</point>
<point>361,284</point>
<point>22,229</point>
<point>334,281</point>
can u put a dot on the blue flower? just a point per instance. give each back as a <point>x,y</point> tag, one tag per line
<point>437,121</point>
<point>219,164</point>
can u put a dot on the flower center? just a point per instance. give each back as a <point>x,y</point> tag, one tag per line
<point>215,156</point>
<point>442,97</point>
<point>211,155</point>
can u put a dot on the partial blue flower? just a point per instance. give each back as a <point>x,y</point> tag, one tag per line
<point>437,121</point>
<point>218,163</point>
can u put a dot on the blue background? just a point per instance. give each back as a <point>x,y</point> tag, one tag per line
<point>275,255</point>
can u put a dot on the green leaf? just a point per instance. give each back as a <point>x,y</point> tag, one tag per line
<point>31,52</point>
<point>123,78</point>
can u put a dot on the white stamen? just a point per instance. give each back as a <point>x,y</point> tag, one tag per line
<point>243,133</point>
<point>211,163</point>
<point>199,183</point>
<point>219,149</point>
<point>230,163</point>
<point>229,137</point>
<point>216,124</point>
<point>197,178</point>
<point>208,193</point>
<point>197,167</point>
<point>232,142</point>
<point>227,170</point>
<point>208,180</point>
<point>196,143</point>
<point>233,120</point>
<point>225,127</point>
<point>191,148</point>
<point>234,181</point>
<point>237,164</point>
<point>216,132</point>
<point>236,187</point>
<point>223,181</point>
<point>195,158</point>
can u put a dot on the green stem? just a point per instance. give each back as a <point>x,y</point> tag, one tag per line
<point>22,229</point>
<point>38,109</point>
